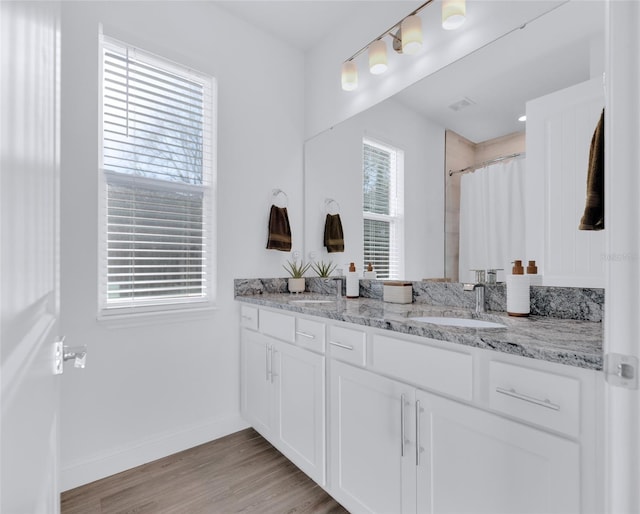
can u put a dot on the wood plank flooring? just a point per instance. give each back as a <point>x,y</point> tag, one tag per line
<point>241,472</point>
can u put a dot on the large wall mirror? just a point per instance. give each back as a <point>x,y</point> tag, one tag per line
<point>463,115</point>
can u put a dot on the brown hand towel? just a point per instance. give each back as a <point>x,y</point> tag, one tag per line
<point>279,230</point>
<point>593,217</point>
<point>333,236</point>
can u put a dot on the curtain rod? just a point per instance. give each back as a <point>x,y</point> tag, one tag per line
<point>485,163</point>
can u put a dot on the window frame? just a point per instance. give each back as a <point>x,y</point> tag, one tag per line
<point>141,308</point>
<point>395,218</point>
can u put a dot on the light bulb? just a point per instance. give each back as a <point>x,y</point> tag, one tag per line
<point>349,76</point>
<point>453,13</point>
<point>378,57</point>
<point>411,30</point>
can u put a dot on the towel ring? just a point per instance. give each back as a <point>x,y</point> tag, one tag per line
<point>277,192</point>
<point>328,203</point>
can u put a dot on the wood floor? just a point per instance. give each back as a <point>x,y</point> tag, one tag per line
<point>241,472</point>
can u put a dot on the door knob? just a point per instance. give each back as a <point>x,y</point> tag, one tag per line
<point>63,353</point>
<point>77,353</point>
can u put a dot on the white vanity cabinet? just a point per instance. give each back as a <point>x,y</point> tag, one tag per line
<point>372,441</point>
<point>470,433</point>
<point>283,389</point>
<point>420,425</point>
<point>473,461</point>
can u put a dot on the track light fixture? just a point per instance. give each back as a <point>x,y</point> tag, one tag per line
<point>453,13</point>
<point>406,39</point>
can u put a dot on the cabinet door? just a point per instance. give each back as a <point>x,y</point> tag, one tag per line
<point>372,461</point>
<point>476,462</point>
<point>257,391</point>
<point>299,390</point>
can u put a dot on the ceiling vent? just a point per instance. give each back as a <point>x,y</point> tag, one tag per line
<point>461,104</point>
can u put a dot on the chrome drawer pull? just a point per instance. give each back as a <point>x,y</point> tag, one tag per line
<point>340,345</point>
<point>248,318</point>
<point>514,394</point>
<point>304,334</point>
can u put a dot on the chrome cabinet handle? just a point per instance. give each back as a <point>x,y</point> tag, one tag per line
<point>267,355</point>
<point>402,442</point>
<point>271,364</point>
<point>341,345</point>
<point>520,396</point>
<point>304,334</point>
<point>418,448</point>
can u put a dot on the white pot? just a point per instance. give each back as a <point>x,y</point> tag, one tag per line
<point>296,285</point>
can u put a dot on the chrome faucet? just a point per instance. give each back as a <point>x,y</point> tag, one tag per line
<point>338,282</point>
<point>479,289</point>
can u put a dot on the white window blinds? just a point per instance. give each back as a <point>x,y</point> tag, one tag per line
<point>383,208</point>
<point>157,181</point>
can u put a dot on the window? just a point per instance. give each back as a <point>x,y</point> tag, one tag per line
<point>383,208</point>
<point>157,183</point>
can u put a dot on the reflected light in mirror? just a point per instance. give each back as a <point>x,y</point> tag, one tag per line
<point>349,76</point>
<point>378,57</point>
<point>411,33</point>
<point>453,14</point>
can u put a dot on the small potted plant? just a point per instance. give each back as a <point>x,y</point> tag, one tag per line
<point>297,271</point>
<point>323,269</point>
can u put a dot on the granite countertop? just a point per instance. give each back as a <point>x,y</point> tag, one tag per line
<point>570,342</point>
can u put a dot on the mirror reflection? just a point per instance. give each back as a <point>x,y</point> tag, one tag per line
<point>387,171</point>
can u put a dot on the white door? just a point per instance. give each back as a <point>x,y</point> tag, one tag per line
<point>477,462</point>
<point>29,299</point>
<point>559,131</point>
<point>257,377</point>
<point>299,388</point>
<point>622,222</point>
<point>372,441</point>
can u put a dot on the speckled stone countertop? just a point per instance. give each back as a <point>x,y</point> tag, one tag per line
<point>564,341</point>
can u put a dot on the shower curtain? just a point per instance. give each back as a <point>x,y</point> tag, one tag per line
<point>492,218</point>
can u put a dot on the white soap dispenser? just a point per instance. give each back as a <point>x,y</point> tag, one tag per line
<point>370,273</point>
<point>353,282</point>
<point>532,272</point>
<point>518,301</point>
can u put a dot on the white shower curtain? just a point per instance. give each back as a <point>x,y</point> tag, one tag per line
<point>492,218</point>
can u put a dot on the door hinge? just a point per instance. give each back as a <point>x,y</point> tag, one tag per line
<point>621,370</point>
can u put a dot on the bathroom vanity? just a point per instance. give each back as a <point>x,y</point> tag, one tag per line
<point>392,414</point>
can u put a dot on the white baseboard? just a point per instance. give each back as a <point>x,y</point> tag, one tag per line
<point>108,463</point>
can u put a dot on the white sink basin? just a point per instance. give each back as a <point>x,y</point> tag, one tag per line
<point>311,301</point>
<point>459,322</point>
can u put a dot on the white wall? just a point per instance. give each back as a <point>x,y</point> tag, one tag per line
<point>155,388</point>
<point>333,169</point>
<point>326,103</point>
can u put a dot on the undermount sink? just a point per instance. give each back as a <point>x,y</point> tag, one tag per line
<point>311,301</point>
<point>458,322</point>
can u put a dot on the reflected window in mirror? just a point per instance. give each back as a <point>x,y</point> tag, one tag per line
<point>383,208</point>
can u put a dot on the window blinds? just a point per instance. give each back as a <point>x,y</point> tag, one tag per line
<point>157,166</point>
<point>382,209</point>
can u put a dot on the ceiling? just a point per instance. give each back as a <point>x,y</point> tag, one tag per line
<point>549,54</point>
<point>300,23</point>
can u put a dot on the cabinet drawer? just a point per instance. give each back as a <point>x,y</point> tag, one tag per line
<point>278,325</point>
<point>539,397</point>
<point>249,317</point>
<point>310,334</point>
<point>437,369</point>
<point>347,345</point>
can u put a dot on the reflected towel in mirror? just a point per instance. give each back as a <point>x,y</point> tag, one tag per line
<point>593,217</point>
